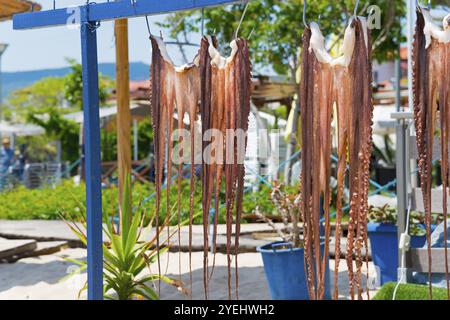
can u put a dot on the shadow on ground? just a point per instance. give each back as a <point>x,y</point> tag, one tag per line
<point>27,273</point>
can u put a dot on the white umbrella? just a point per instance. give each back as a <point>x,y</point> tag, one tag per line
<point>20,129</point>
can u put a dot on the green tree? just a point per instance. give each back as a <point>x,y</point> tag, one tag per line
<point>277,28</point>
<point>145,141</point>
<point>41,95</point>
<point>73,86</point>
<point>58,128</point>
<point>40,104</point>
<point>145,138</point>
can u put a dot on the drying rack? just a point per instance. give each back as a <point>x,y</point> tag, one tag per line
<point>88,17</point>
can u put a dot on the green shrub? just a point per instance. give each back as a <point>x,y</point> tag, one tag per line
<point>262,200</point>
<point>47,203</point>
<point>409,292</point>
<point>22,203</point>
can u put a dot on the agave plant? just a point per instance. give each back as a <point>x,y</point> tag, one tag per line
<point>125,255</point>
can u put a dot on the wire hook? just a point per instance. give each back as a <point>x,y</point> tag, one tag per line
<point>203,21</point>
<point>251,33</point>
<point>355,11</point>
<point>242,19</point>
<point>304,14</point>
<point>148,26</point>
<point>133,3</point>
<point>419,5</point>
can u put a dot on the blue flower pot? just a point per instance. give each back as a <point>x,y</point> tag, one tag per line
<point>285,272</point>
<point>384,247</point>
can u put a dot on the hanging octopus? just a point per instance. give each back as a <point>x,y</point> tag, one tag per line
<point>223,87</point>
<point>225,108</point>
<point>346,82</point>
<point>431,67</point>
<point>173,88</point>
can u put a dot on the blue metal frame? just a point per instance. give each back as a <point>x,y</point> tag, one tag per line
<point>90,17</point>
<point>111,10</point>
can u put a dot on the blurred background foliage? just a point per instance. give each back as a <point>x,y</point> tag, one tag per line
<point>276,28</point>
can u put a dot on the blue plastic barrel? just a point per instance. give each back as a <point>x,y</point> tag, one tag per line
<point>285,272</point>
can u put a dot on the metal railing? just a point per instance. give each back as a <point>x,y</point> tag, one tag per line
<point>33,175</point>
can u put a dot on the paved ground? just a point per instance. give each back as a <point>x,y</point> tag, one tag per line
<point>58,231</point>
<point>40,277</point>
<point>10,248</point>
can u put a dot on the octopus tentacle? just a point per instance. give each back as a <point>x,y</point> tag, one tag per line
<point>206,114</point>
<point>158,105</point>
<point>423,123</point>
<point>342,100</point>
<point>306,105</point>
<point>431,91</point>
<point>444,99</point>
<point>361,142</point>
<point>243,79</point>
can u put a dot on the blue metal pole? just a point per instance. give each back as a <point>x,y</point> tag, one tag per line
<point>92,154</point>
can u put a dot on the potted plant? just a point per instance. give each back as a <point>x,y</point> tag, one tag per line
<point>382,229</point>
<point>284,264</point>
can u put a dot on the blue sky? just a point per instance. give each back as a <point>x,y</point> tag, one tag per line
<point>48,48</point>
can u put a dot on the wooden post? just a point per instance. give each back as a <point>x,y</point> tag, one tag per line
<point>136,140</point>
<point>123,107</point>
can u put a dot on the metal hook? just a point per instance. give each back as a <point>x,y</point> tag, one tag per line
<point>148,26</point>
<point>242,19</point>
<point>251,33</point>
<point>133,3</point>
<point>203,21</point>
<point>355,11</point>
<point>419,5</point>
<point>304,14</point>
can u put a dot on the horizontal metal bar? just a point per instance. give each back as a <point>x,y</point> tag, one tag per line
<point>110,11</point>
<point>31,20</point>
